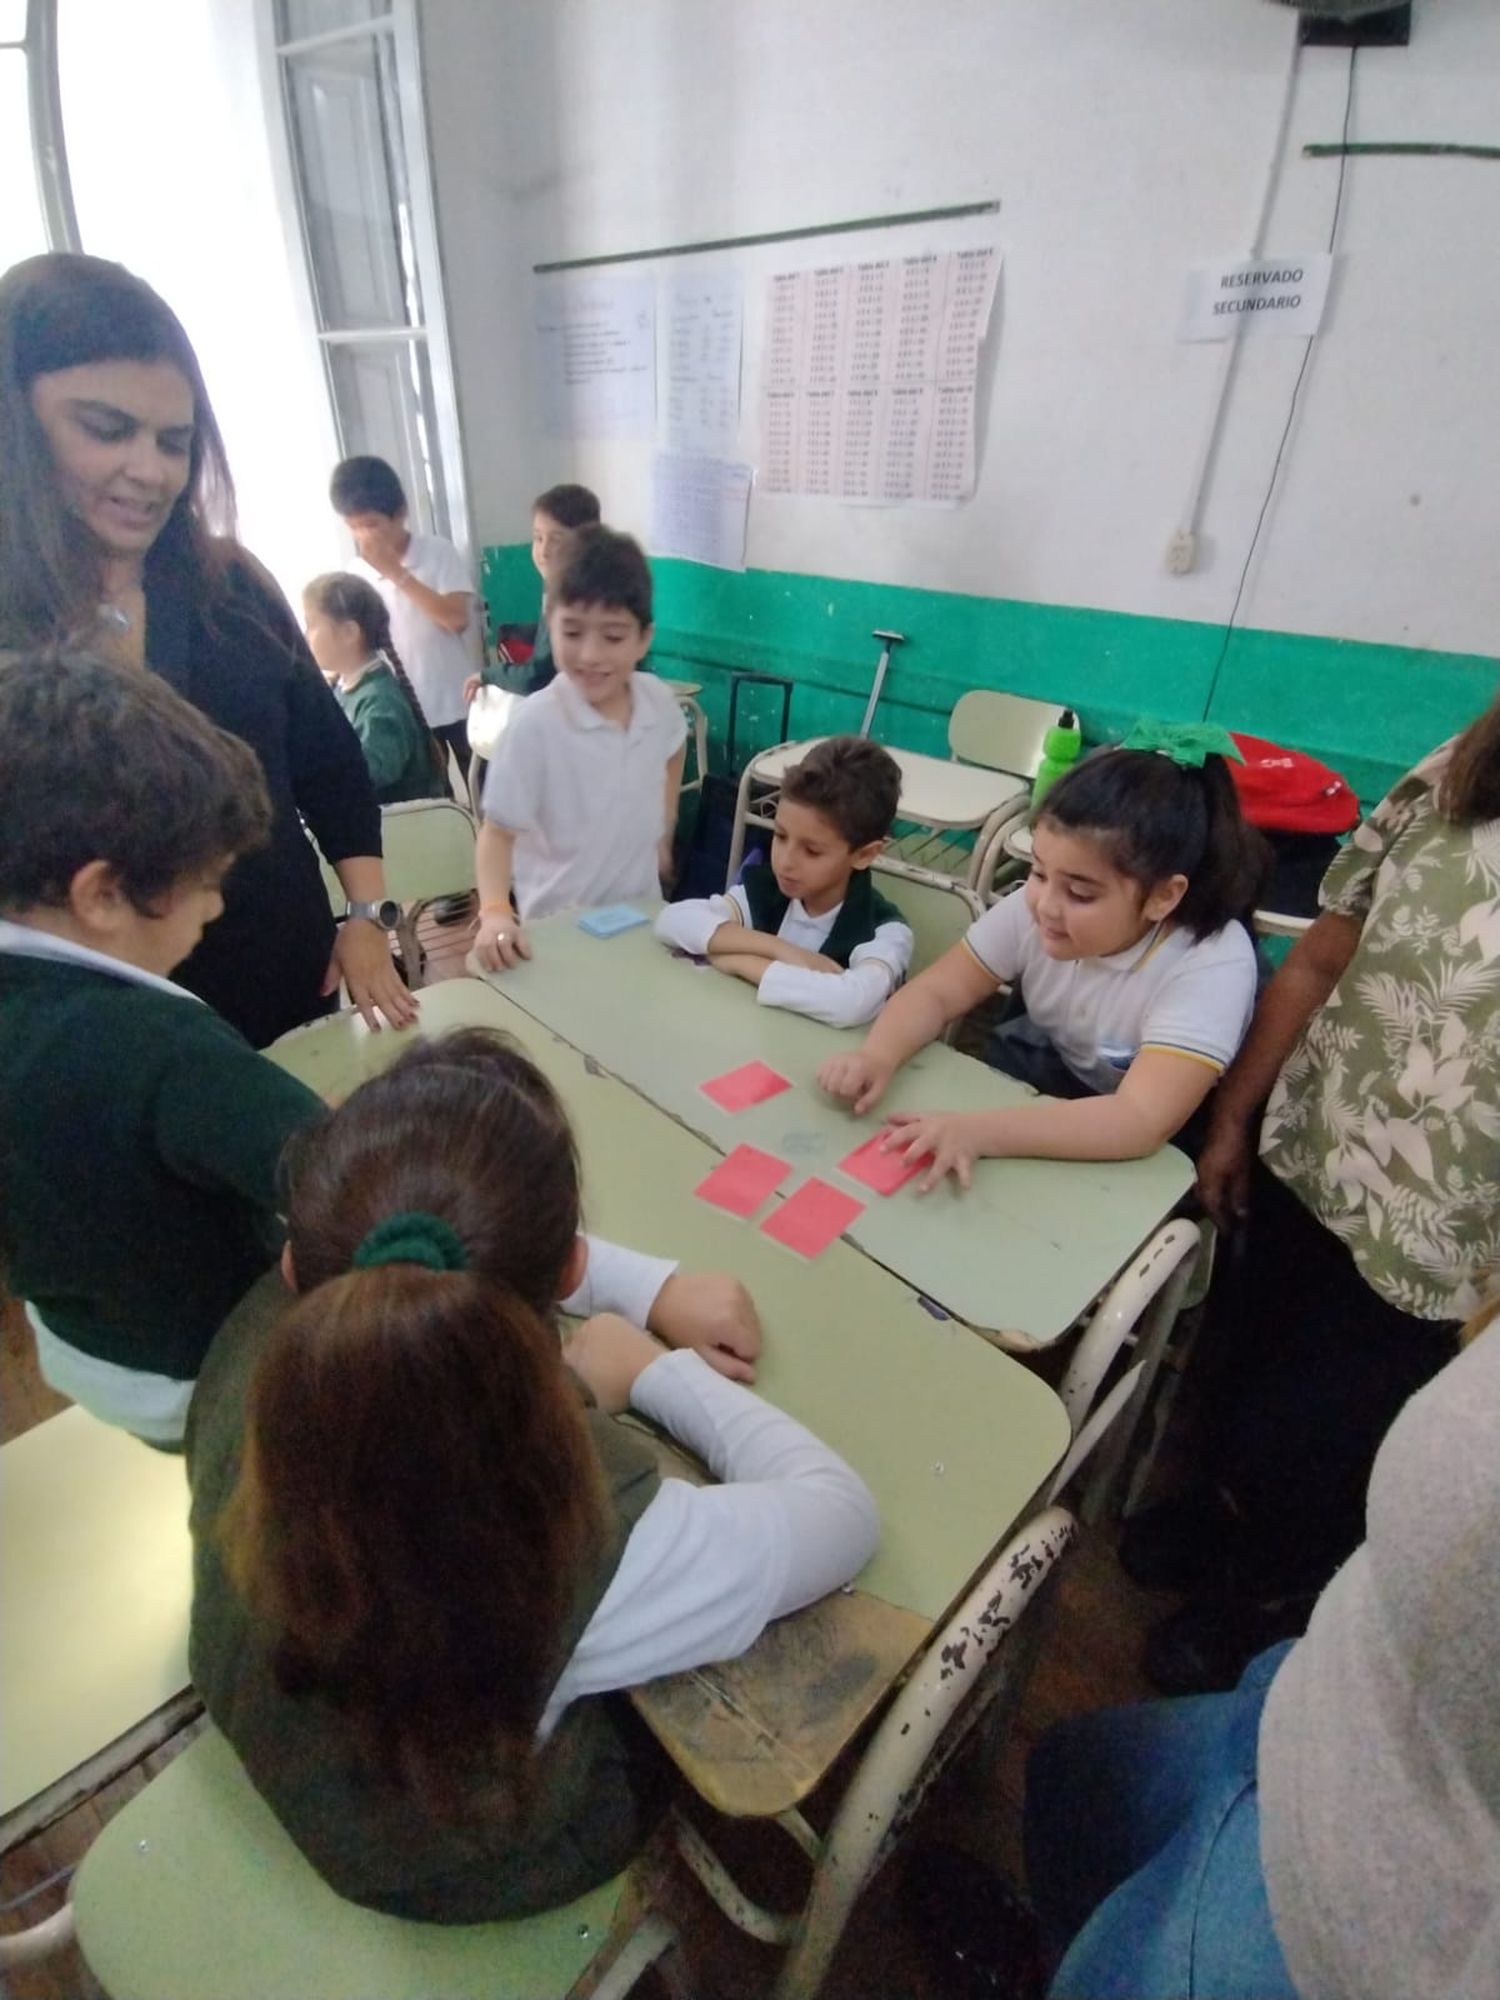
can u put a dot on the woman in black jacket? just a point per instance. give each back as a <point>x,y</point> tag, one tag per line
<point>116,529</point>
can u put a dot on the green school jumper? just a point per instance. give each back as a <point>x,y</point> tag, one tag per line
<point>601,1784</point>
<point>861,913</point>
<point>397,750</point>
<point>139,1142</point>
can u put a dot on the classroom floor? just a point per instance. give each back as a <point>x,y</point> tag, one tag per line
<point>1090,1660</point>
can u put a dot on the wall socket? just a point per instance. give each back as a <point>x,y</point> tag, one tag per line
<point>1182,553</point>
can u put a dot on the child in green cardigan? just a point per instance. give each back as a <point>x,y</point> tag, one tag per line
<point>810,932</point>
<point>139,1132</point>
<point>349,632</point>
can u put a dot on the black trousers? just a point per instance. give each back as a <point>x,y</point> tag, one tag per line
<point>454,736</point>
<point>1308,1368</point>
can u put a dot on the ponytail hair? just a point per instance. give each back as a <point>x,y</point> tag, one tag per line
<point>1156,818</point>
<point>419,1494</point>
<point>1469,790</point>
<point>342,595</point>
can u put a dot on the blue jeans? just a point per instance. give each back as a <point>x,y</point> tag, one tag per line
<point>1143,1850</point>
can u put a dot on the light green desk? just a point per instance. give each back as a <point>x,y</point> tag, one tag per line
<point>95,1576</point>
<point>953,1437</point>
<point>1019,1257</point>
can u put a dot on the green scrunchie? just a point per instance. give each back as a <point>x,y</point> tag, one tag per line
<point>1186,743</point>
<point>413,1237</point>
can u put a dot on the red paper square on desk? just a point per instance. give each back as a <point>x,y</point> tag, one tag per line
<point>743,1181</point>
<point>812,1218</point>
<point>884,1172</point>
<point>738,1089</point>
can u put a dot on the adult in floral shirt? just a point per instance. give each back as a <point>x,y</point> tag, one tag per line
<point>1371,1218</point>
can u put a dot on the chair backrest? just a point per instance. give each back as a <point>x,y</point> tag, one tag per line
<point>193,1888</point>
<point>1004,732</point>
<point>429,849</point>
<point>939,908</point>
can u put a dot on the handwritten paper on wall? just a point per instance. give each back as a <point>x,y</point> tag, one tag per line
<point>596,353</point>
<point>701,397</point>
<point>699,508</point>
<point>869,377</point>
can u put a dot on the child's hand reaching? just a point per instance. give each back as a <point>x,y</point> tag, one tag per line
<point>714,1314</point>
<point>499,943</point>
<point>857,1076</point>
<point>955,1139</point>
<point>607,1353</point>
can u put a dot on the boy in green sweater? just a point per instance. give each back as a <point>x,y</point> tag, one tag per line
<point>139,1133</point>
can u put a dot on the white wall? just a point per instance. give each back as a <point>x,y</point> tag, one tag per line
<point>1126,140</point>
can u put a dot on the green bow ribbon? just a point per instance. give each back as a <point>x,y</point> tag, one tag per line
<point>1186,743</point>
<point>413,1236</point>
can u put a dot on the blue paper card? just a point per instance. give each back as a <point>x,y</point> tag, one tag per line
<point>610,922</point>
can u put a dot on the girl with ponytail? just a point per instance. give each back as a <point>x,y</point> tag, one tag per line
<point>426,1556</point>
<point>349,633</point>
<point>1129,947</point>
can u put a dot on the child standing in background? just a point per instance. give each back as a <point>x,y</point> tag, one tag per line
<point>556,517</point>
<point>581,796</point>
<point>349,632</point>
<point>810,932</point>
<point>427,591</point>
<point>1127,942</point>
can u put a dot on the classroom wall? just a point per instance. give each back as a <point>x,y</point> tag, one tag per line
<point>1125,143</point>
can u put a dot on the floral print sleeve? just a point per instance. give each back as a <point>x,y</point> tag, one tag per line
<point>1385,1120</point>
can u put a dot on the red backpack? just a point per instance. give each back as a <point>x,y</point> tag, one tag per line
<point>1286,791</point>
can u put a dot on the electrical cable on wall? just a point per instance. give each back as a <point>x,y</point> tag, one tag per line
<point>1291,415</point>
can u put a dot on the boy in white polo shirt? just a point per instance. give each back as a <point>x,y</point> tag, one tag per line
<point>1137,973</point>
<point>427,590</point>
<point>581,795</point>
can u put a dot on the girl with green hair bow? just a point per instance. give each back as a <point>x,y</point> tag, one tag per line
<point>1128,950</point>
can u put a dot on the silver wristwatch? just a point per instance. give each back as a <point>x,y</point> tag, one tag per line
<point>386,914</point>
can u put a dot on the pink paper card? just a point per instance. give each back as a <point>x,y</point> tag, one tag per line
<point>812,1218</point>
<point>743,1181</point>
<point>738,1089</point>
<point>884,1172</point>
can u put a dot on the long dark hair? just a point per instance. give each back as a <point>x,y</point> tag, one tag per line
<point>343,595</point>
<point>65,311</point>
<point>419,1494</point>
<point>1470,787</point>
<point>1155,818</point>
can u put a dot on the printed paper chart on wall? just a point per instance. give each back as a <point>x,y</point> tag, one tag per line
<point>869,375</point>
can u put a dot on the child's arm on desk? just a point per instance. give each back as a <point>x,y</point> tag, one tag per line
<point>500,941</point>
<point>706,1310</point>
<point>916,1016</point>
<point>1161,1090</point>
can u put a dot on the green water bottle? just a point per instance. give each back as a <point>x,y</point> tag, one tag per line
<point>1062,746</point>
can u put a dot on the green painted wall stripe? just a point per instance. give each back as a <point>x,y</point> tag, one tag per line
<point>1369,710</point>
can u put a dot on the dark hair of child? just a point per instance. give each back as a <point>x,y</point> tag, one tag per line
<point>64,310</point>
<point>419,1494</point>
<point>98,763</point>
<point>1155,818</point>
<point>569,506</point>
<point>365,485</point>
<point>342,595</point>
<point>1469,791</point>
<point>852,782</point>
<point>609,569</point>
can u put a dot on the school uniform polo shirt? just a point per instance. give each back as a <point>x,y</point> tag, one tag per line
<point>1171,991</point>
<point>584,796</point>
<point>437,662</point>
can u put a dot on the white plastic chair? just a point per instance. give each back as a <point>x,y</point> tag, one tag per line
<point>964,1670</point>
<point>938,908</point>
<point>194,1890</point>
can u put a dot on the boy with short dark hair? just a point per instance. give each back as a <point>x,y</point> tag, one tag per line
<point>139,1132</point>
<point>581,795</point>
<point>810,932</point>
<point>427,590</point>
<point>556,517</point>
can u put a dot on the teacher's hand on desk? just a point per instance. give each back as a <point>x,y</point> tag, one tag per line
<point>607,1354</point>
<point>712,1313</point>
<point>362,960</point>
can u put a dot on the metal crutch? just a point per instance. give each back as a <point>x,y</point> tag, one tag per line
<point>887,640</point>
